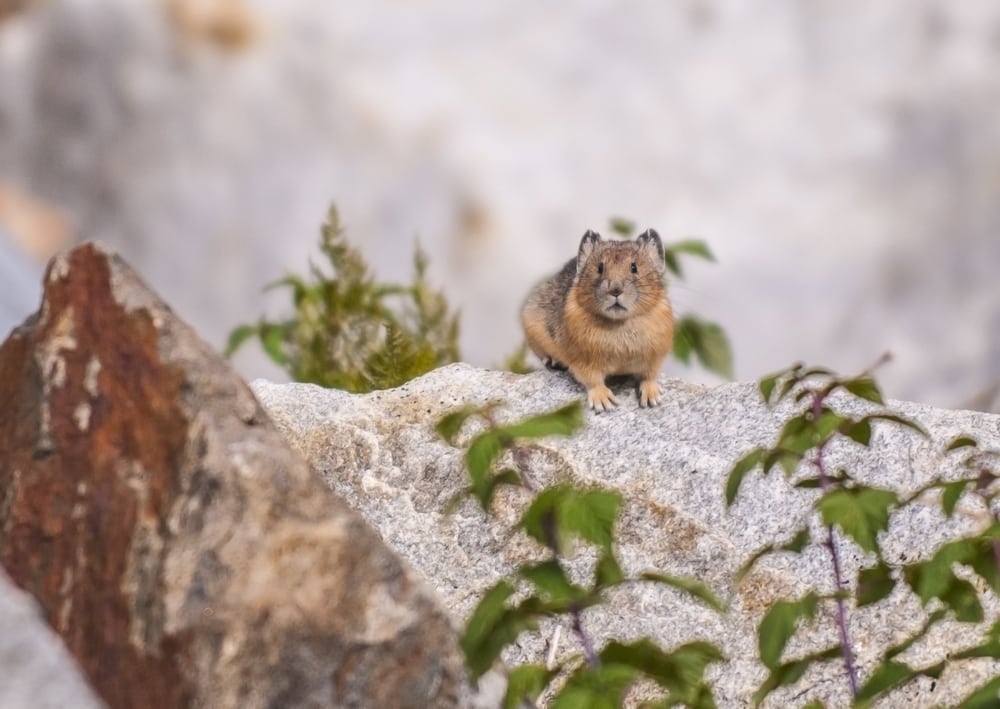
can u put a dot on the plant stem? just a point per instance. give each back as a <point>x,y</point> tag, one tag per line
<point>585,642</point>
<point>838,578</point>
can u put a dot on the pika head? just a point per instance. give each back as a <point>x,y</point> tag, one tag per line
<point>618,280</point>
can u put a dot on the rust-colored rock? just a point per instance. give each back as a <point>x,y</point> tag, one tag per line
<point>184,553</point>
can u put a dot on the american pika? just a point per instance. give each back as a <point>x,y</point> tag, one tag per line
<point>605,313</point>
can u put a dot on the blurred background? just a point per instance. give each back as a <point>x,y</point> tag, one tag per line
<point>842,159</point>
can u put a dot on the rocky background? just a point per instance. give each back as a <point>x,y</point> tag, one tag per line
<point>840,159</point>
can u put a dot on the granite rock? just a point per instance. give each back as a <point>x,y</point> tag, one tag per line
<point>379,451</point>
<point>184,553</point>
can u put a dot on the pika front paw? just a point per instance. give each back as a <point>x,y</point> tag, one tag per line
<point>600,398</point>
<point>649,393</point>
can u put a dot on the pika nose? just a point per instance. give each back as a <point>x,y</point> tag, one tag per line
<point>615,291</point>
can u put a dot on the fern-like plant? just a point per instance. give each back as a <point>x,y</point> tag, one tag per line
<point>348,331</point>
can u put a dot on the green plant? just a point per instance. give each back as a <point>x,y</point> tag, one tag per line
<point>351,332</point>
<point>853,512</point>
<point>695,337</point>
<point>557,518</point>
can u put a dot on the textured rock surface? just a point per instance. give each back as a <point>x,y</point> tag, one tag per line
<point>186,555</point>
<point>35,667</point>
<point>841,161</point>
<point>380,453</point>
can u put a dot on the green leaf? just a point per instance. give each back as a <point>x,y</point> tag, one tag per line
<point>525,683</point>
<point>874,584</point>
<point>858,431</point>
<point>950,494</point>
<point>592,514</point>
<point>713,350</point>
<point>961,597</point>
<point>601,687</point>
<point>796,544</point>
<point>689,585</point>
<point>561,512</point>
<point>985,697</point>
<point>272,338</point>
<point>804,432</point>
<point>449,426</point>
<point>551,581</point>
<point>779,624</point>
<point>861,512</point>
<point>622,226</point>
<point>564,421</point>
<point>743,466</point>
<point>479,458</point>
<point>888,675</point>
<point>707,341</point>
<point>492,627</point>
<point>673,263</point>
<point>864,388</point>
<point>788,460</point>
<point>935,577</point>
<point>693,247</point>
<point>239,336</point>
<point>839,478</point>
<point>484,493</point>
<point>607,572</point>
<point>767,385</point>
<point>961,442</point>
<point>791,672</point>
<point>681,671</point>
<point>815,704</point>
<point>682,347</point>
<point>901,420</point>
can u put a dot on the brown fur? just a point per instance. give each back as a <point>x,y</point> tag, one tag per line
<point>597,318</point>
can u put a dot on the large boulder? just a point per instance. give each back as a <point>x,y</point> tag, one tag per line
<point>186,555</point>
<point>380,452</point>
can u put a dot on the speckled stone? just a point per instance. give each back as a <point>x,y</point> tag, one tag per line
<point>379,452</point>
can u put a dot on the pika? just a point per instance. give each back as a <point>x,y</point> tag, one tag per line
<point>605,313</point>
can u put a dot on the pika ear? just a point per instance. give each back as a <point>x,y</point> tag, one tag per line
<point>649,242</point>
<point>587,244</point>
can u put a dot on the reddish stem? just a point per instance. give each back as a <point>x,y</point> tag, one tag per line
<point>838,575</point>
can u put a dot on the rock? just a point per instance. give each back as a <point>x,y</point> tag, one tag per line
<point>186,555</point>
<point>36,669</point>
<point>379,452</point>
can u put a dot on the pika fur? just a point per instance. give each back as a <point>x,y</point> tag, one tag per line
<point>605,313</point>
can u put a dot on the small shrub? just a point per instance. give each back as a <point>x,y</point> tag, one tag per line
<point>855,513</point>
<point>349,331</point>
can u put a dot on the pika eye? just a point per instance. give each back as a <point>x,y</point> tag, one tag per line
<point>635,269</point>
<point>600,268</point>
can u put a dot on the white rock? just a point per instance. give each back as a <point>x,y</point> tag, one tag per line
<point>379,451</point>
<point>37,670</point>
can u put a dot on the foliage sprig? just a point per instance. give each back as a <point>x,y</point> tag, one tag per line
<point>560,518</point>
<point>352,332</point>
<point>853,512</point>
